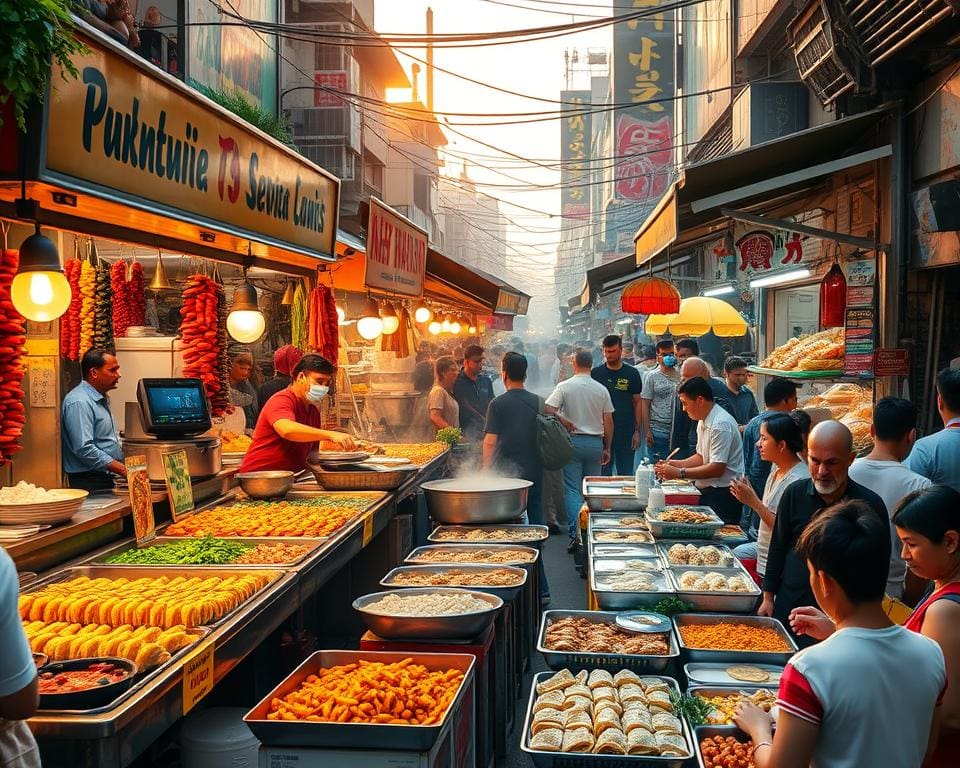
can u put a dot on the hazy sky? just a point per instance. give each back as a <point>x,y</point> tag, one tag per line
<point>533,68</point>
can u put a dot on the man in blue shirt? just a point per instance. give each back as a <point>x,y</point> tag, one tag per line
<point>91,448</point>
<point>473,391</point>
<point>738,394</point>
<point>937,456</point>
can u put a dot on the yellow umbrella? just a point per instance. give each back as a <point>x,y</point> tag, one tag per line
<point>700,314</point>
<point>657,325</point>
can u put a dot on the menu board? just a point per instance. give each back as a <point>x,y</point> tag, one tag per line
<point>141,501</point>
<point>860,332</point>
<point>179,487</point>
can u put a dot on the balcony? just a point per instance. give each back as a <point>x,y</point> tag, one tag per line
<point>418,217</point>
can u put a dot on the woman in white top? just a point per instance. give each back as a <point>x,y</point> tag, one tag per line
<point>780,443</point>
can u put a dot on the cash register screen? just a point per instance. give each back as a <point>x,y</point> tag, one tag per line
<point>172,407</point>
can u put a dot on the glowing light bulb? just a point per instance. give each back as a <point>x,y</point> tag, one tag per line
<point>445,326</point>
<point>423,314</point>
<point>369,327</point>
<point>434,328</point>
<point>472,330</point>
<point>246,325</point>
<point>454,327</point>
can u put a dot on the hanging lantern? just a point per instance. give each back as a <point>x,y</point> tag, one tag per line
<point>422,313</point>
<point>40,291</point>
<point>245,323</point>
<point>472,330</point>
<point>369,326</point>
<point>833,298</point>
<point>391,322</point>
<point>288,292</point>
<point>650,296</point>
<point>446,325</point>
<point>159,281</point>
<point>434,328</point>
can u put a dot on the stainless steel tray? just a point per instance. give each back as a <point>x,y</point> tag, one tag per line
<point>779,658</point>
<point>702,732</point>
<point>606,536</point>
<point>312,543</point>
<point>636,520</point>
<point>667,530</point>
<point>709,691</point>
<point>302,733</point>
<point>606,494</point>
<point>458,626</point>
<point>619,599</point>
<point>617,564</point>
<point>719,602</point>
<point>531,534</point>
<point>589,760</point>
<point>624,550</point>
<point>714,675</point>
<point>663,545</point>
<point>138,571</point>
<point>413,559</point>
<point>504,593</point>
<point>584,660</point>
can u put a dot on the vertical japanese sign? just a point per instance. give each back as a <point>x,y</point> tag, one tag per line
<point>644,77</point>
<point>575,138</point>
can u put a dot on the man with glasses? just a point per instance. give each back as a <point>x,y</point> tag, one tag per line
<point>473,391</point>
<point>657,401</point>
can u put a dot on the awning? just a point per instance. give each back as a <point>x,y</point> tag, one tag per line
<point>768,170</point>
<point>502,298</point>
<point>614,275</point>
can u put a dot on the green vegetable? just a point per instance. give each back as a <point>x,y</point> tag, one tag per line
<point>693,708</point>
<point>205,551</point>
<point>449,435</point>
<point>671,606</point>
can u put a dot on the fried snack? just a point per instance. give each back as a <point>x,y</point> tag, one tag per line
<point>725,706</point>
<point>268,554</point>
<point>726,752</point>
<point>159,601</point>
<point>748,673</point>
<point>399,693</point>
<point>485,534</point>
<point>621,536</point>
<point>563,679</point>
<point>690,554</point>
<point>733,636</point>
<point>582,636</point>
<point>684,515</point>
<point>499,577</point>
<point>826,348</point>
<point>231,442</point>
<point>299,517</point>
<point>417,453</point>
<point>493,556</point>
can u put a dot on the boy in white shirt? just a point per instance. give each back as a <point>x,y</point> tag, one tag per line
<point>867,696</point>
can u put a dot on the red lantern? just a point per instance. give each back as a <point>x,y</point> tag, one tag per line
<point>833,298</point>
<point>650,296</point>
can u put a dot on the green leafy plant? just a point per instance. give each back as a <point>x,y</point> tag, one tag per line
<point>273,125</point>
<point>449,435</point>
<point>671,606</point>
<point>693,708</point>
<point>34,34</point>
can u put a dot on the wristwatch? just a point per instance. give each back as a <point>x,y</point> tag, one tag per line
<point>683,473</point>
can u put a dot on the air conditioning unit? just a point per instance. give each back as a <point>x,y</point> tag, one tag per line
<point>766,111</point>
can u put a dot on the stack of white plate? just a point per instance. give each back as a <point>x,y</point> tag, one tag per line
<point>58,510</point>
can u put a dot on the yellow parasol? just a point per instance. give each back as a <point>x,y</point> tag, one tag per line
<point>699,315</point>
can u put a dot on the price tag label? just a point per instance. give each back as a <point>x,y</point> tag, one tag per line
<point>197,675</point>
<point>367,529</point>
<point>179,487</point>
<point>141,499</point>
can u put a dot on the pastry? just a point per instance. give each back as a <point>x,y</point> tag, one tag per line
<point>547,740</point>
<point>551,699</point>
<point>577,702</point>
<point>625,676</point>
<point>641,742</point>
<point>659,700</point>
<point>577,690</point>
<point>547,718</point>
<point>632,692</point>
<point>604,693</point>
<point>563,679</point>
<point>599,677</point>
<point>654,684</point>
<point>577,740</point>
<point>611,742</point>
<point>605,718</point>
<point>671,745</point>
<point>577,718</point>
<point>666,723</point>
<point>637,718</point>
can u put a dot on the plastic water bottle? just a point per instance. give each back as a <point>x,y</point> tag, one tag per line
<point>643,481</point>
<point>655,498</point>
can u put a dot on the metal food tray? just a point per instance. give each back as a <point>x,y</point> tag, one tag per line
<point>618,564</point>
<point>152,572</point>
<point>621,600</point>
<point>709,691</point>
<point>589,760</point>
<point>537,533</point>
<point>100,560</point>
<point>303,733</point>
<point>779,658</point>
<point>143,679</point>
<point>643,537</point>
<point>719,601</point>
<point>621,500</point>
<point>702,732</point>
<point>668,530</point>
<point>664,545</point>
<point>714,675</point>
<point>504,593</point>
<point>433,627</point>
<point>411,558</point>
<point>611,520</point>
<point>628,550</point>
<point>577,660</point>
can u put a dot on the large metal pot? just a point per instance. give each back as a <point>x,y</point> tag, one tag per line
<point>466,501</point>
<point>268,484</point>
<point>396,410</point>
<point>203,454</point>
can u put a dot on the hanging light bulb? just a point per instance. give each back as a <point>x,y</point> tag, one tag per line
<point>422,313</point>
<point>245,323</point>
<point>369,326</point>
<point>341,315</point>
<point>390,320</point>
<point>288,294</point>
<point>446,325</point>
<point>455,327</point>
<point>40,291</point>
<point>434,328</point>
<point>472,330</point>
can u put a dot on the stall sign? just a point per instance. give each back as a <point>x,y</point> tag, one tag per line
<point>335,79</point>
<point>498,322</point>
<point>197,675</point>
<point>859,332</point>
<point>141,499</point>
<point>507,303</point>
<point>121,131</point>
<point>575,138</point>
<point>862,272</point>
<point>759,249</point>
<point>179,487</point>
<point>396,252</point>
<point>889,361</point>
<point>524,305</point>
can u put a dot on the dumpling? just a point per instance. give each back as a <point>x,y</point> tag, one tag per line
<point>709,555</point>
<point>738,584</point>
<point>688,581</point>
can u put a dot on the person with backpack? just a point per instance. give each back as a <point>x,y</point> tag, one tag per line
<point>511,443</point>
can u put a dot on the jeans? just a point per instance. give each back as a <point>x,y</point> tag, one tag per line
<point>585,462</point>
<point>621,461</point>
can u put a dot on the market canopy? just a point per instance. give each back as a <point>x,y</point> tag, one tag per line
<point>699,315</point>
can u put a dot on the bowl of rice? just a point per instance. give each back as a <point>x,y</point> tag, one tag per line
<point>430,613</point>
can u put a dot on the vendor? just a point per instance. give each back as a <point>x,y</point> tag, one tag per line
<point>444,409</point>
<point>242,393</point>
<point>89,442</point>
<point>285,360</point>
<point>289,424</point>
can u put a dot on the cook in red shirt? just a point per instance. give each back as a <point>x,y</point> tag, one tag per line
<point>289,424</point>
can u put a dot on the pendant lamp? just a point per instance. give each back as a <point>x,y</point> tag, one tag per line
<point>40,291</point>
<point>472,330</point>
<point>434,328</point>
<point>159,282</point>
<point>245,323</point>
<point>833,298</point>
<point>422,313</point>
<point>391,322</point>
<point>650,296</point>
<point>288,294</point>
<point>446,324</point>
<point>369,326</point>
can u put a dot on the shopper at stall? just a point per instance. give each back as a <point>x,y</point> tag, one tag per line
<point>289,424</point>
<point>738,394</point>
<point>285,360</point>
<point>778,445</point>
<point>927,523</point>
<point>584,407</point>
<point>242,392</point>
<point>829,455</point>
<point>871,694</point>
<point>18,677</point>
<point>718,458</point>
<point>687,348</point>
<point>88,435</point>
<point>473,391</point>
<point>893,430</point>
<point>628,356</point>
<point>806,424</point>
<point>648,358</point>
<point>937,457</point>
<point>444,409</point>
<point>657,399</point>
<point>624,383</point>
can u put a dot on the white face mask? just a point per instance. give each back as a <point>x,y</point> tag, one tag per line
<point>317,392</point>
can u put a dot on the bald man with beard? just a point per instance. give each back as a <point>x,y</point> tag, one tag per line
<point>786,581</point>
